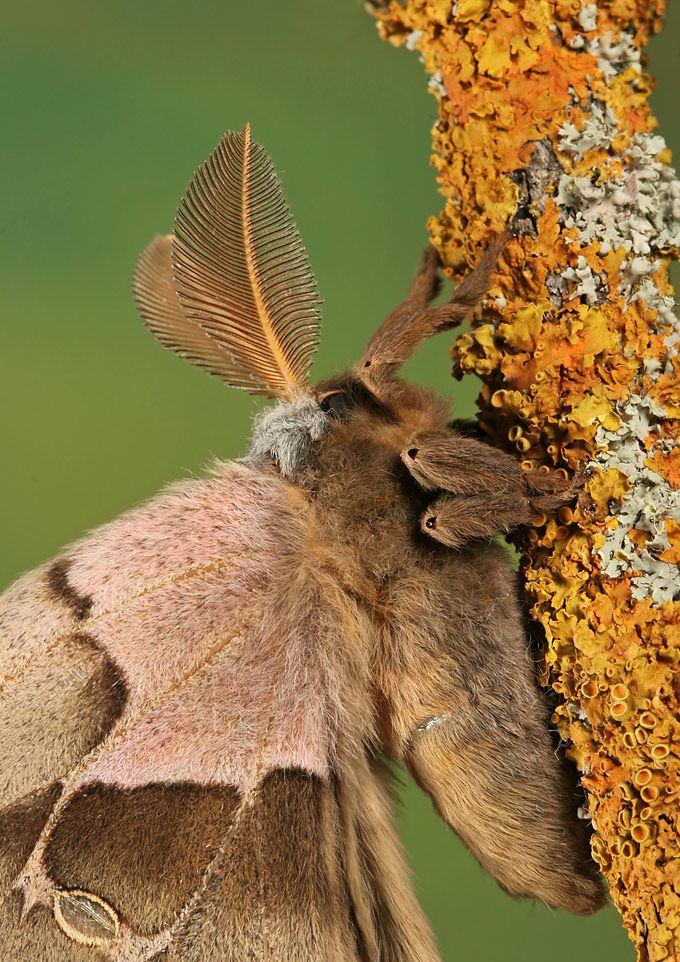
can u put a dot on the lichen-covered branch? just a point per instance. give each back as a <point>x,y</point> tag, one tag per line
<point>544,124</point>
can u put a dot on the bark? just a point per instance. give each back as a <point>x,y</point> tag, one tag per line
<point>544,124</point>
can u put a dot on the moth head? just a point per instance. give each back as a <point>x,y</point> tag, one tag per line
<point>232,291</point>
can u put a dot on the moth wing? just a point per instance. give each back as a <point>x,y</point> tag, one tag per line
<point>172,791</point>
<point>50,663</point>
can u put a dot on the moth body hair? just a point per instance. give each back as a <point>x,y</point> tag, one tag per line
<point>286,432</point>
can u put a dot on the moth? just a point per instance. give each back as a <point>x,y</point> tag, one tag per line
<point>198,700</point>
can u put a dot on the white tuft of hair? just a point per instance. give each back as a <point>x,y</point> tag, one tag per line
<point>286,432</point>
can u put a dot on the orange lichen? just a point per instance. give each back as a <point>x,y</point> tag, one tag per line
<point>544,123</point>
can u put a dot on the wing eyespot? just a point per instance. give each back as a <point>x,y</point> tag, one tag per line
<point>85,918</point>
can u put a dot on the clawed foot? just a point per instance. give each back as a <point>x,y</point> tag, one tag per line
<point>548,490</point>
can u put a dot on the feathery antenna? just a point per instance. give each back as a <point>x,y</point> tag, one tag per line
<point>240,269</point>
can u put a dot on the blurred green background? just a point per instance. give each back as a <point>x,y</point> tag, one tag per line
<point>106,110</point>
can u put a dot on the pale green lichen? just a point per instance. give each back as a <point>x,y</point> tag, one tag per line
<point>647,506</point>
<point>639,210</point>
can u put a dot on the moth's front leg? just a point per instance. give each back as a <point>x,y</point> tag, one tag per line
<point>454,520</point>
<point>461,465</point>
<point>485,492</point>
